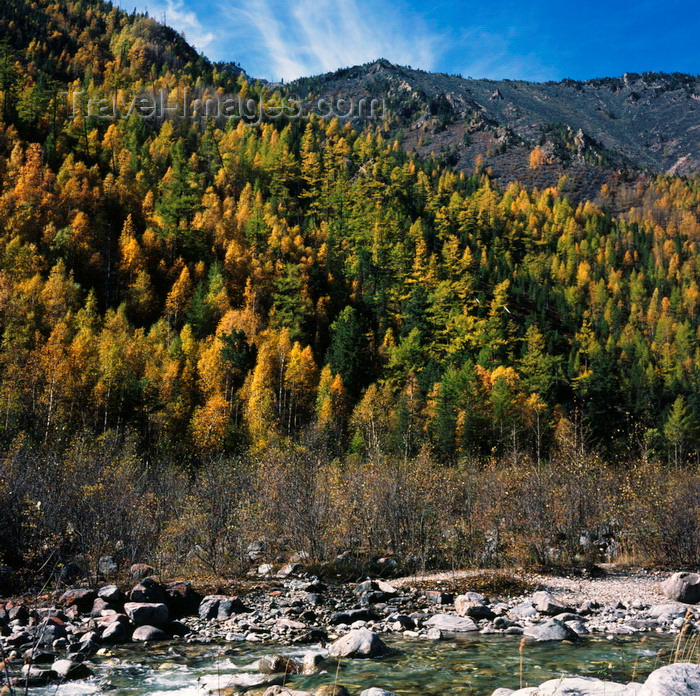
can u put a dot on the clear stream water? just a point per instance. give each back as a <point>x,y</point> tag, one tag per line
<point>473,664</point>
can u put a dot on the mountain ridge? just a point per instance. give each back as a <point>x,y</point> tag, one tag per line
<point>635,122</point>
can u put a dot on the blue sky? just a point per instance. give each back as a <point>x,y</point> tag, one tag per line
<point>532,40</point>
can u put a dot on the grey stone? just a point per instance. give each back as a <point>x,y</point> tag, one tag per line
<point>349,617</point>
<point>147,633</point>
<point>51,629</point>
<point>680,679</point>
<point>111,594</point>
<point>374,691</point>
<point>525,610</point>
<point>311,663</point>
<point>118,630</point>
<point>682,587</point>
<point>149,591</point>
<point>550,631</point>
<point>578,626</point>
<point>439,597</point>
<point>151,614</point>
<point>36,676</point>
<point>220,607</point>
<point>667,612</point>
<point>98,606</point>
<point>547,603</point>
<point>452,624</point>
<point>82,599</point>
<point>278,664</point>
<point>358,643</point>
<point>473,605</point>
<point>69,670</point>
<point>577,686</point>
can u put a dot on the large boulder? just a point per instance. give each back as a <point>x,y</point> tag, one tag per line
<point>51,629</point>
<point>551,630</point>
<point>680,679</point>
<point>577,686</point>
<point>278,664</point>
<point>358,643</point>
<point>682,587</point>
<point>69,670</point>
<point>149,591</point>
<point>111,594</point>
<point>148,614</point>
<point>148,633</point>
<point>452,624</point>
<point>183,599</point>
<point>474,606</point>
<point>374,691</point>
<point>667,612</point>
<point>220,607</point>
<point>81,599</point>
<point>117,629</point>
<point>99,606</point>
<point>547,603</point>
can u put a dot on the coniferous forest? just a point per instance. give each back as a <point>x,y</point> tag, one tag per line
<point>214,332</point>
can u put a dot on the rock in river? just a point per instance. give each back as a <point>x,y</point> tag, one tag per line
<point>148,633</point>
<point>680,679</point>
<point>278,664</point>
<point>68,670</point>
<point>358,643</point>
<point>551,630</point>
<point>573,686</point>
<point>451,624</point>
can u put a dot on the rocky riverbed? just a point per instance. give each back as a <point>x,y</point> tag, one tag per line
<point>56,643</point>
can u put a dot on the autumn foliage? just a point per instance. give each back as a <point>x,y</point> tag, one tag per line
<point>303,308</point>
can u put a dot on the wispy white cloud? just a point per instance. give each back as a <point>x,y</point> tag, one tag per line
<point>304,37</point>
<point>493,55</point>
<point>184,20</point>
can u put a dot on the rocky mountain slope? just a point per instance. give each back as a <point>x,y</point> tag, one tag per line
<point>585,129</point>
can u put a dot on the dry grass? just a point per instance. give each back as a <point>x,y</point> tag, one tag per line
<point>490,583</point>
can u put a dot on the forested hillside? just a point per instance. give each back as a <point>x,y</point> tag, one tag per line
<point>213,331</point>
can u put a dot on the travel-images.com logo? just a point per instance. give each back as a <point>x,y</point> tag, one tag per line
<point>162,105</point>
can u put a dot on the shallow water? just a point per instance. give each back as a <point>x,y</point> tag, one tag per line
<point>472,664</point>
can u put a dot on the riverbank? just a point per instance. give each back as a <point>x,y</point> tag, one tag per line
<point>57,642</point>
<point>613,584</point>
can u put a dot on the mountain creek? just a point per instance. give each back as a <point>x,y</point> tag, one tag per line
<point>468,664</point>
<point>298,636</point>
